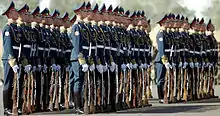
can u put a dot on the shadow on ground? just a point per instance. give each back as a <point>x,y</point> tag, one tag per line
<point>173,109</point>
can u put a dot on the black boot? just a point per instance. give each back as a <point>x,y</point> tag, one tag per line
<point>160,94</point>
<point>77,103</point>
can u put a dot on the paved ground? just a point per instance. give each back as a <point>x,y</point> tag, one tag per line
<point>200,108</point>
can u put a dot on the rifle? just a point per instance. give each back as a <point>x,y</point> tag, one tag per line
<point>15,95</point>
<point>211,90</point>
<point>185,86</point>
<point>201,90</point>
<point>166,86</point>
<point>56,90</point>
<point>66,88</point>
<point>52,89</point>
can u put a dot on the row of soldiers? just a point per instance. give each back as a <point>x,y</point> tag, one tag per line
<point>186,60</point>
<point>101,57</point>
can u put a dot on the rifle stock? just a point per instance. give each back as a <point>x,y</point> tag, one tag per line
<point>185,92</point>
<point>166,87</point>
<point>15,95</point>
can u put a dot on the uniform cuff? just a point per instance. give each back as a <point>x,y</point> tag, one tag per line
<point>12,62</point>
<point>164,59</point>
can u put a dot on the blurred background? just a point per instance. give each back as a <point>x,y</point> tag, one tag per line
<point>154,10</point>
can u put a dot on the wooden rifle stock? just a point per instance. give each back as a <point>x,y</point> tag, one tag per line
<point>179,84</point>
<point>25,92</point>
<point>127,88</point>
<point>201,84</point>
<point>139,87</point>
<point>148,79</point>
<point>66,90</point>
<point>172,85</point>
<point>15,95</point>
<point>92,107</point>
<point>51,90</point>
<point>166,87</point>
<point>56,91</point>
<point>198,83</point>
<point>29,93</point>
<point>185,93</point>
<point>134,89</point>
<point>86,107</point>
<point>211,90</point>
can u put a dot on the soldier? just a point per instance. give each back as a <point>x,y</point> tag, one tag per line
<point>10,58</point>
<point>161,60</point>
<point>78,57</point>
<point>212,55</point>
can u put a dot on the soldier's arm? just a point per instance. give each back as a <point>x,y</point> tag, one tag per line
<point>7,47</point>
<point>160,43</point>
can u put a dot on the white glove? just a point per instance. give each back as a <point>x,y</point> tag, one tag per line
<point>141,66</point>
<point>180,64</point>
<point>211,65</point>
<point>150,65</point>
<point>92,67</point>
<point>145,66</point>
<point>53,66</point>
<point>191,64</point>
<point>39,67</point>
<point>105,67</point>
<point>85,67</point>
<point>185,64</point>
<point>123,67</point>
<point>203,64</point>
<point>112,67</point>
<point>58,68</point>
<point>34,68</point>
<point>168,66</point>
<point>15,68</point>
<point>197,64</point>
<point>27,68</point>
<point>68,68</point>
<point>134,66</point>
<point>129,65</point>
<point>45,68</point>
<point>173,65</point>
<point>99,68</point>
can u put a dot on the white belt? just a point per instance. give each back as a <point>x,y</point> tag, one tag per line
<point>142,50</point>
<point>100,46</point>
<point>186,49</point>
<point>197,52</point>
<point>54,49</point>
<point>68,51</point>
<point>191,52</point>
<point>107,48</point>
<point>93,47</point>
<point>202,52</point>
<point>167,50</point>
<point>40,48</point>
<point>180,50</point>
<point>122,51</point>
<point>124,48</point>
<point>114,49</point>
<point>208,50</point>
<point>134,49</point>
<point>146,50</point>
<point>27,46</point>
<point>85,47</point>
<point>46,49</point>
<point>15,47</point>
<point>215,50</point>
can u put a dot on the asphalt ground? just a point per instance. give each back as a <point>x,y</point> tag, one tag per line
<point>207,107</point>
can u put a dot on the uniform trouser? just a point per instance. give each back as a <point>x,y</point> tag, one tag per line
<point>76,82</point>
<point>8,80</point>
<point>161,72</point>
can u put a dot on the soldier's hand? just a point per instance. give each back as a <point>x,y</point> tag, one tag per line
<point>168,66</point>
<point>45,68</point>
<point>180,65</point>
<point>185,65</point>
<point>113,66</point>
<point>85,67</point>
<point>197,64</point>
<point>15,68</point>
<point>99,68</point>
<point>123,67</point>
<point>27,68</point>
<point>191,64</point>
<point>105,67</point>
<point>92,67</point>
